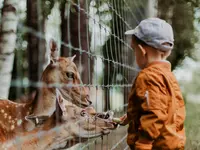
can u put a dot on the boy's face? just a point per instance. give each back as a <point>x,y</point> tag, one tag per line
<point>141,59</point>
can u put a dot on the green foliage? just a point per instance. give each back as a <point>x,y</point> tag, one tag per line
<point>193,3</point>
<point>193,87</point>
<point>47,5</point>
<point>181,14</point>
<point>20,68</point>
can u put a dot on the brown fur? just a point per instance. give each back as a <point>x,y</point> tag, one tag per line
<point>55,107</point>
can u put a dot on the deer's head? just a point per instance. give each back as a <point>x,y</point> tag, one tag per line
<point>78,128</point>
<point>63,72</point>
<point>79,125</point>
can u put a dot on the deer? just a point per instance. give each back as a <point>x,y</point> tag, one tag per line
<point>61,105</point>
<point>79,125</point>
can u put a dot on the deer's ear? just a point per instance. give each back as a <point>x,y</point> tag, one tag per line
<point>54,51</point>
<point>72,58</point>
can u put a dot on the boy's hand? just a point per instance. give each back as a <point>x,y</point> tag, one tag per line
<point>121,121</point>
<point>117,120</point>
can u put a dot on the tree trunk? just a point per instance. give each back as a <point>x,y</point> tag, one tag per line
<point>183,27</point>
<point>74,30</point>
<point>114,50</point>
<point>36,46</point>
<point>7,44</point>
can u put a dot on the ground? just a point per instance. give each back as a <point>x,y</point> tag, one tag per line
<point>192,124</point>
<point>116,140</point>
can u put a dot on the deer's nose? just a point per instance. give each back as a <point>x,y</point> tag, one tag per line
<point>89,102</point>
<point>88,99</point>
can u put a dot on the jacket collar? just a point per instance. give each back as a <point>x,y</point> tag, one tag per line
<point>161,64</point>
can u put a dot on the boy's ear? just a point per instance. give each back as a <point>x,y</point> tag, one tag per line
<point>143,50</point>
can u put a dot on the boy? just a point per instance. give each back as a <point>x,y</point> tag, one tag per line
<point>156,110</point>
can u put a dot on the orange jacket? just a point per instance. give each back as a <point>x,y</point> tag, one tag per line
<point>156,110</point>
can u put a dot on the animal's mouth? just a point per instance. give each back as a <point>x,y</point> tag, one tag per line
<point>103,120</point>
<point>106,117</point>
<point>87,99</point>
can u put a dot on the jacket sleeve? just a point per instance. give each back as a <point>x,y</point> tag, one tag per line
<point>151,92</point>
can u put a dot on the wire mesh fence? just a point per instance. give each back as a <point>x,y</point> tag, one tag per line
<point>93,31</point>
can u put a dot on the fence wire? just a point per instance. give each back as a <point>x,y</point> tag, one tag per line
<point>94,31</point>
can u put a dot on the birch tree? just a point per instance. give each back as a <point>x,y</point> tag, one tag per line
<point>8,36</point>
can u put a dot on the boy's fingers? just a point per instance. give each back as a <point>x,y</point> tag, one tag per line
<point>117,120</point>
<point>123,117</point>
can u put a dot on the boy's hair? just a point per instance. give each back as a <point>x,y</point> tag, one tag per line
<point>138,41</point>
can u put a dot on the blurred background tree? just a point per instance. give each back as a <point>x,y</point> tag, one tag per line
<point>114,49</point>
<point>8,28</point>
<point>30,51</point>
<point>75,32</point>
<point>181,15</point>
<point>35,18</point>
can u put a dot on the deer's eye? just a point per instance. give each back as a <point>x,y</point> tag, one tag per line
<point>70,75</point>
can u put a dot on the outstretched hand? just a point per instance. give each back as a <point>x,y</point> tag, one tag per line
<point>121,120</point>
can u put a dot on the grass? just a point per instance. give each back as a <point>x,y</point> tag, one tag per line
<point>192,125</point>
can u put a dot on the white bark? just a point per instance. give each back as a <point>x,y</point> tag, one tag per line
<point>151,10</point>
<point>7,45</point>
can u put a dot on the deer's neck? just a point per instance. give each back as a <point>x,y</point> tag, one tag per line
<point>45,103</point>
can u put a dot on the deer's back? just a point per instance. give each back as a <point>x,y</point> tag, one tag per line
<point>12,118</point>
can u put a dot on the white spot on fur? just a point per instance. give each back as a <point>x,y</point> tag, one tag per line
<point>2,110</point>
<point>9,117</point>
<point>7,106</point>
<point>12,127</point>
<point>5,115</point>
<point>19,122</point>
